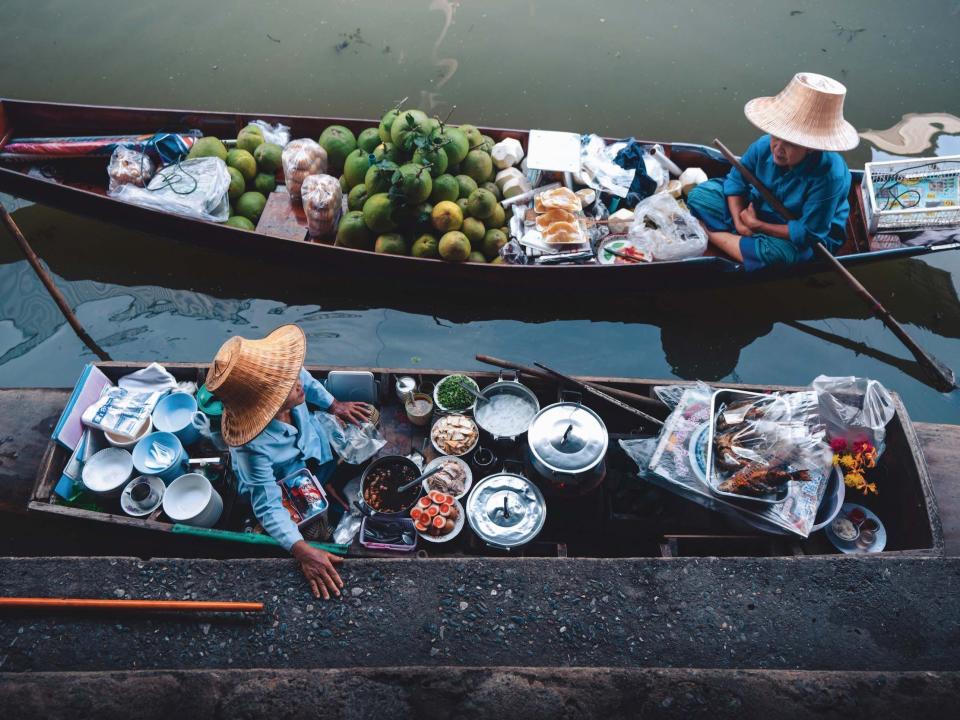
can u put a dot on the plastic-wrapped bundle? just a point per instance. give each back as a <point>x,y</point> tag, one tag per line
<point>677,234</point>
<point>302,158</point>
<point>128,167</point>
<point>322,204</point>
<point>194,188</point>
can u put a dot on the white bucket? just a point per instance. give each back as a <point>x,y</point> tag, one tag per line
<point>192,500</point>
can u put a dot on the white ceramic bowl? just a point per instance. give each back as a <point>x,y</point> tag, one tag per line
<point>457,527</point>
<point>461,462</point>
<point>443,451</point>
<point>130,507</point>
<point>192,500</point>
<point>107,471</point>
<point>122,442</point>
<point>442,408</point>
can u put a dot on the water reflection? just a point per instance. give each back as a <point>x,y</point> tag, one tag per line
<point>914,134</point>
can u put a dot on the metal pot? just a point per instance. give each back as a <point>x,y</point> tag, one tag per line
<point>486,416</point>
<point>414,493</point>
<point>567,444</point>
<point>506,510</point>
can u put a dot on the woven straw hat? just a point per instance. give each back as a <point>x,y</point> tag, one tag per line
<point>253,379</point>
<point>807,112</point>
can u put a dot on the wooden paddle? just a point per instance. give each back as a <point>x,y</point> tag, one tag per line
<point>110,604</point>
<point>942,376</point>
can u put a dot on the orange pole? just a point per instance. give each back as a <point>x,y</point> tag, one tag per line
<point>103,604</point>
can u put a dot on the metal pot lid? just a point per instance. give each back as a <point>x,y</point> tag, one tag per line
<point>568,437</point>
<point>506,510</point>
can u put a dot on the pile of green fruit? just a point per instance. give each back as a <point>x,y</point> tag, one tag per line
<point>252,165</point>
<point>418,187</point>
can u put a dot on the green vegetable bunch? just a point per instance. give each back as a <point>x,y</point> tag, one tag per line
<point>452,396</point>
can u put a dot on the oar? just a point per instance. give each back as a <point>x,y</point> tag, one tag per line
<point>600,394</point>
<point>943,376</point>
<point>649,403</point>
<point>110,604</point>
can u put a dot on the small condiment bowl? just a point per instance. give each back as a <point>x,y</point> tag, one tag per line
<point>124,442</point>
<point>418,418</point>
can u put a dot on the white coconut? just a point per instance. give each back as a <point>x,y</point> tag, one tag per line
<point>507,153</point>
<point>690,178</point>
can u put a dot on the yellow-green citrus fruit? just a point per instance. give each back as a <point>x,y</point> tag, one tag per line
<point>268,157</point>
<point>368,139</point>
<point>356,166</point>
<point>244,162</point>
<point>238,221</point>
<point>238,183</point>
<point>378,213</point>
<point>391,244</point>
<point>250,205</point>
<point>467,185</point>
<point>353,232</point>
<point>339,142</point>
<point>445,187</point>
<point>474,230</point>
<point>426,246</point>
<point>477,165</point>
<point>481,204</point>
<point>357,197</point>
<point>476,257</point>
<point>265,183</point>
<point>493,240</point>
<point>446,216</point>
<point>208,147</point>
<point>454,247</point>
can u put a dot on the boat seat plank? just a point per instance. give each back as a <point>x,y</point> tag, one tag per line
<point>282,218</point>
<point>941,450</point>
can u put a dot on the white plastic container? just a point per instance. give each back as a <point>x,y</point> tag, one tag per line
<point>192,500</point>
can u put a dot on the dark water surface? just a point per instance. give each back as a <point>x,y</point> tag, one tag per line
<point>664,70</point>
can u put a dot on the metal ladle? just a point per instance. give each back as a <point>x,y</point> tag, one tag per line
<point>407,486</point>
<point>469,388</point>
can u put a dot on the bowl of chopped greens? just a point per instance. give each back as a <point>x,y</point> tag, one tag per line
<point>450,397</point>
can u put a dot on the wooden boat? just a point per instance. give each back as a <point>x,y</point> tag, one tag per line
<point>623,517</point>
<point>80,186</point>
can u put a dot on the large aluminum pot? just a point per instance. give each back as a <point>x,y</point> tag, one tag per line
<point>506,510</point>
<point>510,406</point>
<point>567,444</point>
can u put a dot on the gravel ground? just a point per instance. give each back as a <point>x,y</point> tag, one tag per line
<point>829,614</point>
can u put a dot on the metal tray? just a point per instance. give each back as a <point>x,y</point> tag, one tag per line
<point>715,476</point>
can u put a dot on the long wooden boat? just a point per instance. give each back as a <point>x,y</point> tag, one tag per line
<point>80,186</point>
<point>623,517</point>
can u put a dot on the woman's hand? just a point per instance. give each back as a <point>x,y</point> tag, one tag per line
<point>352,412</point>
<point>749,219</point>
<point>317,566</point>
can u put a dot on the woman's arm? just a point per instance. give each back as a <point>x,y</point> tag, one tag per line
<point>748,217</point>
<point>259,484</point>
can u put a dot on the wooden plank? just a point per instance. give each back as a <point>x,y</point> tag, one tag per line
<point>941,450</point>
<point>283,218</point>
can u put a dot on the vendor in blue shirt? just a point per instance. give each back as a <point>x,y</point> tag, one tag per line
<point>798,161</point>
<point>272,433</point>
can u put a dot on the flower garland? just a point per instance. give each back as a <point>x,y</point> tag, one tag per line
<point>854,462</point>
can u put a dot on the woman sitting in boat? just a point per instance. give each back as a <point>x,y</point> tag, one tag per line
<point>271,433</point>
<point>798,161</point>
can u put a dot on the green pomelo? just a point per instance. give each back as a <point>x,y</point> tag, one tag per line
<point>446,216</point>
<point>378,213</point>
<point>238,221</point>
<point>244,162</point>
<point>343,184</point>
<point>498,217</point>
<point>386,151</point>
<point>473,135</point>
<point>474,230</point>
<point>250,205</point>
<point>445,187</point>
<point>426,246</point>
<point>462,204</point>
<point>454,247</point>
<point>481,204</point>
<point>355,167</point>
<point>467,185</point>
<point>476,257</point>
<point>353,232</point>
<point>208,147</point>
<point>406,127</point>
<point>339,142</point>
<point>379,176</point>
<point>487,143</point>
<point>493,240</point>
<point>492,188</point>
<point>253,129</point>
<point>238,183</point>
<point>436,158</point>
<point>498,261</point>
<point>268,157</point>
<point>265,183</point>
<point>249,140</point>
<point>477,165</point>
<point>357,197</point>
<point>415,182</point>
<point>386,124</point>
<point>391,244</point>
<point>368,139</point>
<point>457,145</point>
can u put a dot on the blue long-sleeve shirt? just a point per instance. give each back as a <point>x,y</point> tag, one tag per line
<point>278,451</point>
<point>815,191</point>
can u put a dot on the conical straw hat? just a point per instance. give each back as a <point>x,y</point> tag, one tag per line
<point>807,112</point>
<point>253,379</point>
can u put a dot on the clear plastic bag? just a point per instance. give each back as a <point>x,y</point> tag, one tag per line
<point>322,203</point>
<point>854,409</point>
<point>676,233</point>
<point>128,167</point>
<point>302,158</point>
<point>194,188</point>
<point>599,171</point>
<point>278,134</point>
<point>353,443</point>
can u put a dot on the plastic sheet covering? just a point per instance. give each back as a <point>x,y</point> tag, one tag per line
<point>278,134</point>
<point>194,188</point>
<point>354,443</point>
<point>676,234</point>
<point>854,409</point>
<point>599,171</point>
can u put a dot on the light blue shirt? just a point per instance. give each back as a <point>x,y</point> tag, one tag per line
<point>815,191</point>
<point>278,451</point>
